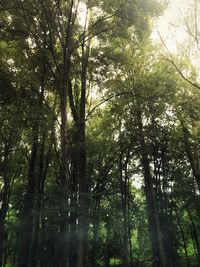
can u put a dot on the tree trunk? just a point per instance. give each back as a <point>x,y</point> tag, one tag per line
<point>26,224</point>
<point>5,195</point>
<point>123,188</point>
<point>83,200</point>
<point>3,212</point>
<point>195,236</point>
<point>183,236</point>
<point>64,160</point>
<point>83,223</point>
<point>43,168</point>
<point>73,205</point>
<point>154,224</point>
<point>64,184</point>
<point>95,231</point>
<point>129,223</point>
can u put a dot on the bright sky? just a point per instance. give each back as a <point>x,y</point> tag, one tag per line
<point>174,14</point>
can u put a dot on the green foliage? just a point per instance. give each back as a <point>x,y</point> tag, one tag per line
<point>145,110</point>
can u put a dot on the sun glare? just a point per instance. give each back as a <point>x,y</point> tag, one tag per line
<point>170,26</point>
<point>82,13</point>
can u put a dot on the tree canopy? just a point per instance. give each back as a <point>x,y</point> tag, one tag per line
<point>99,137</point>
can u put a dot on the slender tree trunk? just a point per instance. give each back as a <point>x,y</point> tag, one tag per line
<point>64,166</point>
<point>129,240</point>
<point>5,195</point>
<point>64,183</point>
<point>26,224</point>
<point>129,223</point>
<point>83,200</point>
<point>168,223</point>
<point>107,245</point>
<point>183,236</point>
<point>73,205</point>
<point>43,168</point>
<point>154,224</point>
<point>83,221</point>
<point>123,187</point>
<point>95,232</point>
<point>3,211</point>
<point>42,246</point>
<point>195,236</point>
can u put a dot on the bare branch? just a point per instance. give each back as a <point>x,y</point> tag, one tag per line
<point>193,35</point>
<point>106,100</point>
<point>171,60</point>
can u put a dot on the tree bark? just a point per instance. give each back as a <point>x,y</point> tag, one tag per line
<point>159,259</point>
<point>83,200</point>
<point>83,221</point>
<point>26,223</point>
<point>95,231</point>
<point>182,236</point>
<point>124,196</point>
<point>43,169</point>
<point>4,200</point>
<point>195,236</point>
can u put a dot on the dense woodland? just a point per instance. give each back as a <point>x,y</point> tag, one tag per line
<point>99,136</point>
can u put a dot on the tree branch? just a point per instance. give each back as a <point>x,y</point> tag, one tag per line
<point>171,60</point>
